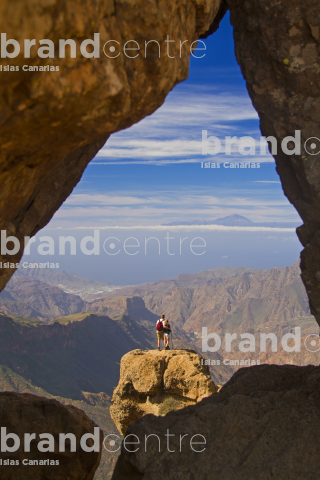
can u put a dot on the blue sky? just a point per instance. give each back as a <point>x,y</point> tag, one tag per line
<point>151,173</point>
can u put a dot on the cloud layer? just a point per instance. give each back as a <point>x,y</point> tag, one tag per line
<point>173,134</point>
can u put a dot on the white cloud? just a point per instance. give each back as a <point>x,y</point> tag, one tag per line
<point>167,198</point>
<point>159,162</point>
<point>147,216</point>
<point>130,208</point>
<point>174,132</point>
<point>266,181</point>
<point>219,228</point>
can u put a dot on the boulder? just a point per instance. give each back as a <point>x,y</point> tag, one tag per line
<point>26,413</point>
<point>264,423</point>
<point>157,382</point>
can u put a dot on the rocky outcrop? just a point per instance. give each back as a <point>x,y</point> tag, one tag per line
<point>263,424</point>
<point>26,413</point>
<point>53,123</point>
<point>157,382</point>
<point>278,48</point>
<point>133,306</point>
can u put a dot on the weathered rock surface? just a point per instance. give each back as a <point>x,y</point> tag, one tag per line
<point>264,423</point>
<point>156,382</point>
<point>26,413</point>
<point>53,123</point>
<point>278,48</point>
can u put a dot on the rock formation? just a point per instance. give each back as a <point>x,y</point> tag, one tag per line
<point>53,124</point>
<point>133,306</point>
<point>156,382</point>
<point>25,413</point>
<point>278,48</point>
<point>264,423</point>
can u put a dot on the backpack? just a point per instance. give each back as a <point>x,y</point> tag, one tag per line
<point>159,326</point>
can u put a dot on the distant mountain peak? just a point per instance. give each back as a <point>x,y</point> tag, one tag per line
<point>235,218</point>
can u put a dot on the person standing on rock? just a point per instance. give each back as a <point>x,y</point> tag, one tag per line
<point>166,333</point>
<point>160,330</point>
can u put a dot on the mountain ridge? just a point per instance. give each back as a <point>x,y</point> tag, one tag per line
<point>32,298</point>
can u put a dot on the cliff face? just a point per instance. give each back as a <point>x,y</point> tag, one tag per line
<point>243,300</point>
<point>80,354</point>
<point>263,424</point>
<point>156,382</point>
<point>278,48</point>
<point>25,413</point>
<point>132,306</point>
<point>52,124</point>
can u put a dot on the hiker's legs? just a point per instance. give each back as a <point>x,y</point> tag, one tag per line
<point>160,337</point>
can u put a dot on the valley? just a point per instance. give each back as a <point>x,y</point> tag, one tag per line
<point>62,346</point>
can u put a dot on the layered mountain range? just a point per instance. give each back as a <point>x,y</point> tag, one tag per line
<point>222,300</point>
<point>68,282</point>
<point>58,345</point>
<point>219,298</point>
<point>250,302</point>
<point>32,298</point>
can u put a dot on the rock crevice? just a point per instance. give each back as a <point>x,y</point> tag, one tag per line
<point>262,424</point>
<point>156,382</point>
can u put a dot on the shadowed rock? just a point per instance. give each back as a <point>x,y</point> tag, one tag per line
<point>156,382</point>
<point>53,123</point>
<point>264,423</point>
<point>25,413</point>
<point>278,48</point>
